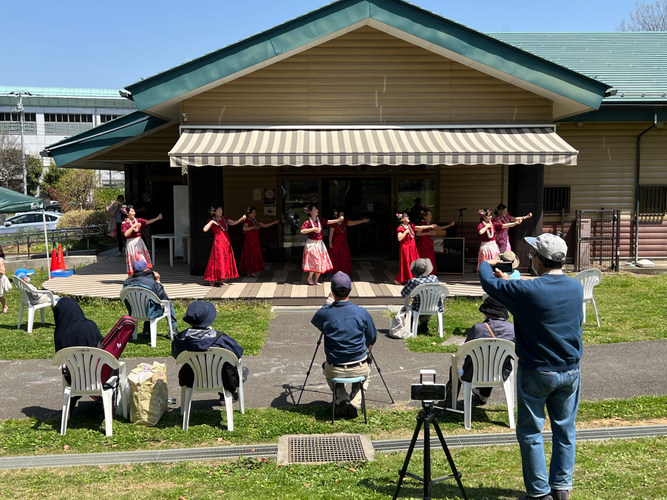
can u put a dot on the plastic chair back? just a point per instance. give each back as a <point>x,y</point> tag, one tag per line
<point>589,279</point>
<point>137,298</point>
<point>85,367</point>
<point>22,287</point>
<point>488,357</point>
<point>430,296</point>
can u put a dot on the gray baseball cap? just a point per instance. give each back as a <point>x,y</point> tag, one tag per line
<point>549,246</point>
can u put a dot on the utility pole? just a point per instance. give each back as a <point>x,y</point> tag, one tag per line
<point>21,111</point>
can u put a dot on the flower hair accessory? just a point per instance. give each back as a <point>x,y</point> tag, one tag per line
<point>123,210</point>
<point>399,216</point>
<point>211,210</point>
<point>306,210</point>
<point>482,213</point>
<point>248,210</point>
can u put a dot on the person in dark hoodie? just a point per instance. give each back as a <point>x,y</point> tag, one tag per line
<point>147,278</point>
<point>200,337</point>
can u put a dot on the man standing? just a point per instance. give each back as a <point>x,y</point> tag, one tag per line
<point>349,332</point>
<point>147,278</point>
<point>547,317</point>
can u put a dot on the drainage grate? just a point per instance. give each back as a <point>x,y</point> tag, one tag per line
<point>317,449</point>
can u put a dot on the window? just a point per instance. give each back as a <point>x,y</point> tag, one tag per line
<point>67,118</point>
<point>108,118</point>
<point>15,117</point>
<point>556,198</point>
<point>653,200</point>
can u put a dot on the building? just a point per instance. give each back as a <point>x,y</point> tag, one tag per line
<point>54,114</point>
<point>372,103</point>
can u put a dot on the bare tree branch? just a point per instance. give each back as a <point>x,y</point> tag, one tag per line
<point>647,17</point>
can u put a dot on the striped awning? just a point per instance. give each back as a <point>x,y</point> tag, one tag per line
<point>199,147</point>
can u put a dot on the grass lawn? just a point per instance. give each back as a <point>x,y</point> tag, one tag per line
<point>85,430</point>
<point>631,309</point>
<point>610,470</point>
<point>247,322</point>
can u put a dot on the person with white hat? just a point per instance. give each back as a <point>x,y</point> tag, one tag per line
<point>547,320</point>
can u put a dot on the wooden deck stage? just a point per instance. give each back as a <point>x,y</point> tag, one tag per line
<point>284,284</point>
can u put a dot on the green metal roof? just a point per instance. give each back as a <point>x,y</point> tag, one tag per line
<point>102,137</point>
<point>62,92</point>
<point>634,63</point>
<point>340,15</point>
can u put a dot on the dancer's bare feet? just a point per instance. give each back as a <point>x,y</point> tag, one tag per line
<point>5,309</point>
<point>310,283</point>
<point>224,283</point>
<point>398,282</point>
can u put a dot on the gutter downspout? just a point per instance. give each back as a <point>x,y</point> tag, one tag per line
<point>637,194</point>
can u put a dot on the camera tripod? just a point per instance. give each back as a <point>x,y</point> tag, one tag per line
<point>426,417</point>
<point>371,360</point>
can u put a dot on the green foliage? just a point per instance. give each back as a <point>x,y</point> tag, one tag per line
<point>34,168</point>
<point>74,189</point>
<point>81,218</point>
<point>52,176</point>
<point>103,197</point>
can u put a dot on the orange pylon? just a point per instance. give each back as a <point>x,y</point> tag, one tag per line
<point>54,261</point>
<point>61,259</point>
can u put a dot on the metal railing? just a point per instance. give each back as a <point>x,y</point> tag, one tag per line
<point>598,239</point>
<point>56,236</point>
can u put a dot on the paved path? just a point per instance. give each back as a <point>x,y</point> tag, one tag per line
<point>32,388</point>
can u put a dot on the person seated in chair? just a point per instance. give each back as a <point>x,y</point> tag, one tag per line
<point>349,332</point>
<point>34,298</point>
<point>421,270</point>
<point>495,325</point>
<point>200,337</point>
<point>150,279</point>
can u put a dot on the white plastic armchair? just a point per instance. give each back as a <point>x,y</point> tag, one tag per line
<point>488,357</point>
<point>85,369</point>
<point>23,289</point>
<point>589,279</point>
<point>207,368</point>
<point>137,298</point>
<point>430,295</point>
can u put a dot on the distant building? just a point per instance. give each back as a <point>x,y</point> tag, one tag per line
<point>53,114</point>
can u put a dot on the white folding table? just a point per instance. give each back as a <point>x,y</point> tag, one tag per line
<point>171,238</point>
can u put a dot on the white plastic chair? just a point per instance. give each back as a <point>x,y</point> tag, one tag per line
<point>589,279</point>
<point>430,295</point>
<point>85,368</point>
<point>488,357</point>
<point>25,302</point>
<point>137,298</point>
<point>207,368</point>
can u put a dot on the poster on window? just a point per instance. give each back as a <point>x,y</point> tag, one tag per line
<point>269,196</point>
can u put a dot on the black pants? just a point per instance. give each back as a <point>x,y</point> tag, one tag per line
<point>119,237</point>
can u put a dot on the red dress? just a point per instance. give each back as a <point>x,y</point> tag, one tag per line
<point>339,251</point>
<point>221,263</point>
<point>425,247</point>
<point>407,253</point>
<point>251,257</point>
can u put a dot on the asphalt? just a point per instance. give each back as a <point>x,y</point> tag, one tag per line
<point>32,388</point>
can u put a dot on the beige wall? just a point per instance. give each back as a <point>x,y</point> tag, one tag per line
<point>367,77</point>
<point>153,147</point>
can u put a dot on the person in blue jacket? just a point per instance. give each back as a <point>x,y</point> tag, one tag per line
<point>547,322</point>
<point>349,332</point>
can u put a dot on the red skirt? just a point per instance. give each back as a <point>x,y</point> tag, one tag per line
<point>407,255</point>
<point>427,251</point>
<point>340,255</point>
<point>315,257</point>
<point>251,257</point>
<point>221,263</point>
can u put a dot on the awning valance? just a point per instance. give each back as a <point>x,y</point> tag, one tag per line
<point>371,146</point>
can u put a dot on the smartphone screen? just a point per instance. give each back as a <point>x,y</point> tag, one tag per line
<point>505,267</point>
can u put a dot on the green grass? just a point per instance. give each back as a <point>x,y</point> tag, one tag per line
<point>85,430</point>
<point>610,470</point>
<point>247,322</point>
<point>631,309</point>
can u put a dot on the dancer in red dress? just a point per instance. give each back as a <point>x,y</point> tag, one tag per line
<point>407,248</point>
<point>135,248</point>
<point>502,236</point>
<point>339,248</point>
<point>487,230</point>
<point>425,246</point>
<point>221,264</point>
<point>315,256</point>
<point>251,257</point>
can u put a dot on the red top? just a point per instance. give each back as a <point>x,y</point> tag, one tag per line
<point>309,224</point>
<point>411,232</point>
<point>421,233</point>
<point>223,222</point>
<point>127,224</point>
<point>489,234</point>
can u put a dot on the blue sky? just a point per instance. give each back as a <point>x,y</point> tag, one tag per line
<point>105,44</point>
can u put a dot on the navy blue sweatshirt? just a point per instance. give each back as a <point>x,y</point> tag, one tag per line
<point>547,318</point>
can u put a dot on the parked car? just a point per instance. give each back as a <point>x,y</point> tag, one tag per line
<point>30,221</point>
<point>53,208</point>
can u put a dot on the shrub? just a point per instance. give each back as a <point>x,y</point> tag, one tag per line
<point>80,218</point>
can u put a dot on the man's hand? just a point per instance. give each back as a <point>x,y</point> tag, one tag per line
<point>157,276</point>
<point>499,274</point>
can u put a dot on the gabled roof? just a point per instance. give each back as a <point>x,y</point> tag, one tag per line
<point>633,62</point>
<point>571,92</point>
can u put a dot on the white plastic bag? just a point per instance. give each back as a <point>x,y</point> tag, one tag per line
<point>401,325</point>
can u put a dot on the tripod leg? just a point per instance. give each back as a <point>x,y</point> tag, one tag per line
<point>370,354</point>
<point>427,458</point>
<point>401,473</point>
<point>310,367</point>
<point>456,473</point>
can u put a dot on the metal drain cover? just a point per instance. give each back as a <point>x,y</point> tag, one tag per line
<point>322,448</point>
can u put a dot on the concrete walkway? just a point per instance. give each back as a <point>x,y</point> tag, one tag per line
<point>32,388</point>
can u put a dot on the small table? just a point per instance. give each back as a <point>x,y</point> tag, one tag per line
<point>171,238</point>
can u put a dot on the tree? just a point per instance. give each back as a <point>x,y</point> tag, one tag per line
<point>11,164</point>
<point>647,17</point>
<point>74,189</point>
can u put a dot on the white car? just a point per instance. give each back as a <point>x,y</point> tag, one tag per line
<point>29,222</point>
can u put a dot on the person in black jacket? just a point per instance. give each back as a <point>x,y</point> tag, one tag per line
<point>200,337</point>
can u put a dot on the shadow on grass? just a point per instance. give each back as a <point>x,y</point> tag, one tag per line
<point>410,488</point>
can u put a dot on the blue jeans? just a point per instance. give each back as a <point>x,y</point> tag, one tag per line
<point>559,392</point>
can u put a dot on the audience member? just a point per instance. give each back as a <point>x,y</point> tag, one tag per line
<point>35,298</point>
<point>421,269</point>
<point>349,332</point>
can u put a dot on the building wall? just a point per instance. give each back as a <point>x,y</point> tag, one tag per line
<point>367,77</point>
